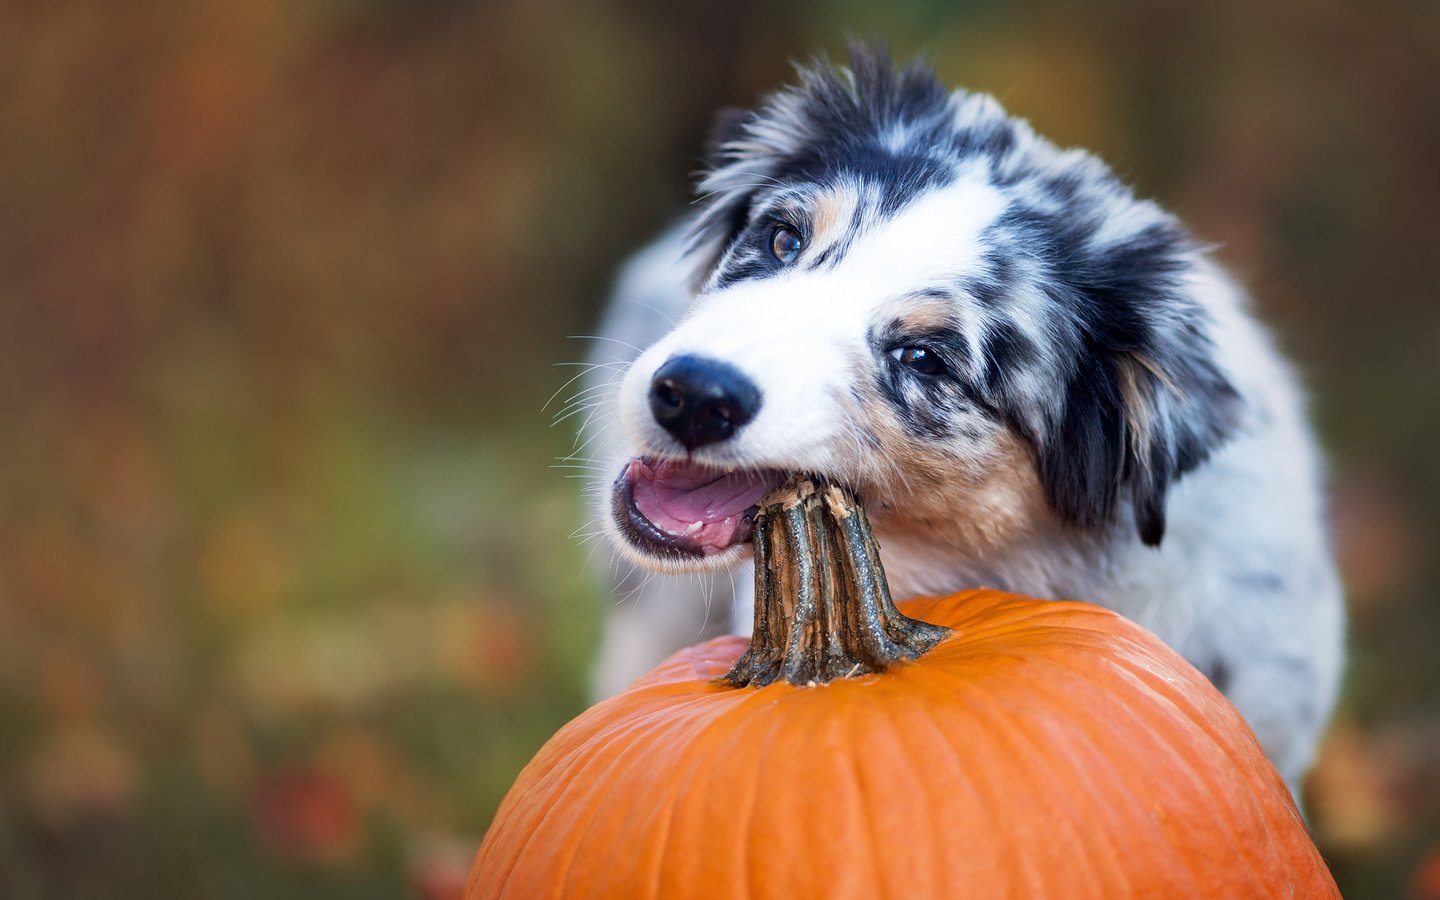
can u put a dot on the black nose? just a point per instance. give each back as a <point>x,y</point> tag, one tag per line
<point>701,401</point>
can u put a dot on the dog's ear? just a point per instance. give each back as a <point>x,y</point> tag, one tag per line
<point>1145,401</point>
<point>727,129</point>
<point>724,195</point>
<point>742,154</point>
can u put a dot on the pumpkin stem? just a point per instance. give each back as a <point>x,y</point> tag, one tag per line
<point>822,607</point>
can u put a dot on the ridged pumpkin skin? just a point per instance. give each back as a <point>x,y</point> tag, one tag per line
<point>1045,749</point>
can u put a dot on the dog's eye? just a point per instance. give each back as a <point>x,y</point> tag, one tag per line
<point>922,359</point>
<point>785,244</point>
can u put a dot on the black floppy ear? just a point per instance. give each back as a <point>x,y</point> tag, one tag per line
<point>1177,410</point>
<point>1145,402</point>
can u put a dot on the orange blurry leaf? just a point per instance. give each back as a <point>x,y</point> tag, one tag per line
<point>306,814</point>
<point>1425,882</point>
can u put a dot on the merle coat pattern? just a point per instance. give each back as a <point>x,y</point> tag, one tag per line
<point>1037,381</point>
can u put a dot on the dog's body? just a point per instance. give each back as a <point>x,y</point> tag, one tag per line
<point>1035,381</point>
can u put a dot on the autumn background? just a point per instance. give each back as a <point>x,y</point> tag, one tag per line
<point>287,591</point>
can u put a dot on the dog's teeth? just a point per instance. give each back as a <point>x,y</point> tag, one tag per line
<point>694,527</point>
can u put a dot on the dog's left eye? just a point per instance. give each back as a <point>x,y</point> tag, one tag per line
<point>785,244</point>
<point>922,360</point>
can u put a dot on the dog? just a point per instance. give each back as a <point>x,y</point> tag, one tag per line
<point>1036,381</point>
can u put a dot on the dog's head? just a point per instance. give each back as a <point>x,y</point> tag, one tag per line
<point>907,290</point>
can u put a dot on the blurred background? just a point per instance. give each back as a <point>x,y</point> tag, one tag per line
<point>287,588</point>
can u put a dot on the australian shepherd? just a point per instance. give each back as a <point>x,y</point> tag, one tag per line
<point>1036,381</point>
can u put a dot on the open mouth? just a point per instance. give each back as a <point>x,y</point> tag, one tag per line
<point>686,510</point>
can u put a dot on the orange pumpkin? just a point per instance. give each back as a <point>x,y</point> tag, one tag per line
<point>991,746</point>
<point>1043,749</point>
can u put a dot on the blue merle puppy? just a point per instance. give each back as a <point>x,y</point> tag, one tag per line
<point>1037,382</point>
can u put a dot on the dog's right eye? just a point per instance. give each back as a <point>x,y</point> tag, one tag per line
<point>785,244</point>
<point>922,360</point>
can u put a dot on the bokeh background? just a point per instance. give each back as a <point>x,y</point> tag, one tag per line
<point>287,587</point>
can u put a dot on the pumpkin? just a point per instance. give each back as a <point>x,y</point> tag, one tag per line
<point>993,746</point>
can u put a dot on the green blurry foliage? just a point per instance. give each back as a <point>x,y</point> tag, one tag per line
<point>287,587</point>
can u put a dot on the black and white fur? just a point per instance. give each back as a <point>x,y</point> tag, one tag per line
<point>1095,414</point>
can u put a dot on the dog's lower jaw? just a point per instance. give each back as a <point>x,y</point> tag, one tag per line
<point>653,555</point>
<point>711,564</point>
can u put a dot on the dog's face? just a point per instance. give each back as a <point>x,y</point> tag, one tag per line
<point>909,292</point>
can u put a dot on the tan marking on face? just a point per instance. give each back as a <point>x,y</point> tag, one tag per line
<point>971,497</point>
<point>977,510</point>
<point>924,315</point>
<point>830,215</point>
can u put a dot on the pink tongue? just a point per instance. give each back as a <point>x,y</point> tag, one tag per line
<point>675,496</point>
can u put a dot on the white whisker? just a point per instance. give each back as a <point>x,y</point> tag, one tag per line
<point>602,337</point>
